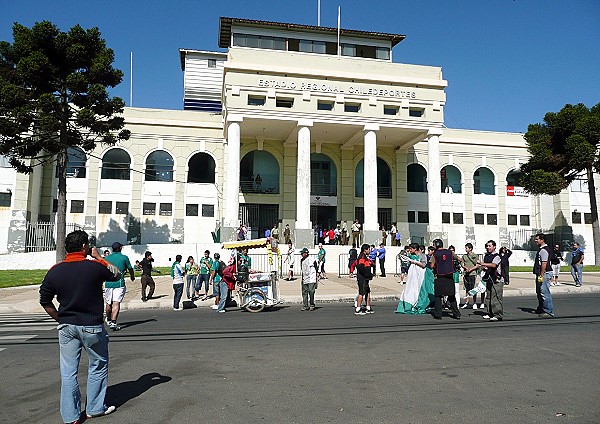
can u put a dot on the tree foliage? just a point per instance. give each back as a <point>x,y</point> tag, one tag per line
<point>54,95</point>
<point>561,148</point>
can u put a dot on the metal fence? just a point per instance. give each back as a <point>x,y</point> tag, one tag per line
<point>260,262</point>
<point>41,236</point>
<point>524,239</point>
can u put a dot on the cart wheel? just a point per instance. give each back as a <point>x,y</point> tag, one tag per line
<point>255,300</point>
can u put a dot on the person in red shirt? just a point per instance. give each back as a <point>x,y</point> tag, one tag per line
<point>331,236</point>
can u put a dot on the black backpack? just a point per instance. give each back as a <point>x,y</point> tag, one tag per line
<point>220,269</point>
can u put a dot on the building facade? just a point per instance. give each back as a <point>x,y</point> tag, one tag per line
<point>290,126</point>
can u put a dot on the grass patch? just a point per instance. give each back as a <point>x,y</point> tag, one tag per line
<point>20,277</point>
<point>563,268</point>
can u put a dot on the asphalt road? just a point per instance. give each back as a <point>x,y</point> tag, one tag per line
<point>326,366</point>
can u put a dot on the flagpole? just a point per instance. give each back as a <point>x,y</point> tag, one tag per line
<point>130,79</point>
<point>319,13</point>
<point>338,32</point>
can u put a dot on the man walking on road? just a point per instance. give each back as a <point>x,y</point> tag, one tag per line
<point>308,273</point>
<point>543,277</point>
<point>147,280</point>
<point>577,264</point>
<point>114,292</point>
<point>77,282</point>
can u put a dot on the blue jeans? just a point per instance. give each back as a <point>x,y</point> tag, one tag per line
<point>178,292</point>
<point>202,278</point>
<point>94,339</point>
<point>543,294</point>
<point>190,281</point>
<point>224,291</point>
<point>577,273</point>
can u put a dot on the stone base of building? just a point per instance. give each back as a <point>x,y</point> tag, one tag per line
<point>372,237</point>
<point>304,238</point>
<point>229,234</point>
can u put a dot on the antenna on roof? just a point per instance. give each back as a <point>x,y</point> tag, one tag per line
<point>319,13</point>
<point>130,79</point>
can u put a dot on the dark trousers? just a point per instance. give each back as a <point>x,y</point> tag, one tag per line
<point>147,281</point>
<point>308,294</point>
<point>504,270</point>
<point>178,289</point>
<point>382,266</point>
<point>495,292</point>
<point>437,311</point>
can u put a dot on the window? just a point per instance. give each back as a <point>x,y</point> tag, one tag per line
<point>382,53</point>
<point>208,210</point>
<point>284,102</point>
<point>104,207</point>
<point>256,100</point>
<point>423,217</point>
<point>512,219</point>
<point>416,112</point>
<point>76,206</point>
<point>116,165</point>
<point>159,166</point>
<point>191,210</point>
<point>166,209</point>
<point>75,165</point>
<point>411,216</point>
<point>524,220</point>
<point>458,218</point>
<point>483,181</point>
<point>587,218</point>
<point>5,200</point>
<point>212,63</point>
<point>575,217</point>
<point>479,218</point>
<point>492,219</point>
<point>324,105</point>
<point>201,169</point>
<point>149,208</point>
<point>309,46</point>
<point>352,107</point>
<point>580,184</point>
<point>264,42</point>
<point>122,208</point>
<point>390,110</point>
<point>451,179</point>
<point>513,178</point>
<point>445,217</point>
<point>349,50</point>
<point>416,178</point>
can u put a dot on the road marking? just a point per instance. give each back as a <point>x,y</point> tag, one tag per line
<point>21,337</point>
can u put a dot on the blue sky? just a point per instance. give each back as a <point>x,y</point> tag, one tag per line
<point>507,62</point>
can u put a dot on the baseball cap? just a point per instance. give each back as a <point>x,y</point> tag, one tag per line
<point>116,246</point>
<point>304,250</point>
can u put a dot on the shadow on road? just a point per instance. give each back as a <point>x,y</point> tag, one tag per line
<point>121,393</point>
<point>132,323</point>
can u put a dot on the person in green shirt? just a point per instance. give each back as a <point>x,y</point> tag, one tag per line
<point>215,280</point>
<point>469,265</point>
<point>321,261</point>
<point>204,276</point>
<point>114,291</point>
<point>191,271</point>
<point>245,260</point>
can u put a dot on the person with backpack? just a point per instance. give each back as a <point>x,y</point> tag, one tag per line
<point>543,276</point>
<point>308,273</point>
<point>216,276</point>
<point>493,284</point>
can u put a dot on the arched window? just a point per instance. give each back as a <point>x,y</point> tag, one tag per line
<point>116,165</point>
<point>483,181</point>
<point>159,166</point>
<point>514,178</point>
<point>201,169</point>
<point>76,160</point>
<point>416,178</point>
<point>259,173</point>
<point>451,178</point>
<point>384,179</point>
<point>323,175</point>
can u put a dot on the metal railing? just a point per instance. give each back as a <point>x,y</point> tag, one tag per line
<point>41,236</point>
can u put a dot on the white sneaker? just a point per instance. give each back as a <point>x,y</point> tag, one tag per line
<point>494,319</point>
<point>482,306</point>
<point>464,306</point>
<point>215,306</point>
<point>474,305</point>
<point>486,317</point>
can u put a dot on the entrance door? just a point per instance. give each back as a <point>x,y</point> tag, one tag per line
<point>324,216</point>
<point>259,217</point>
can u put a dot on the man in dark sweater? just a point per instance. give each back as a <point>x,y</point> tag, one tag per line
<point>77,284</point>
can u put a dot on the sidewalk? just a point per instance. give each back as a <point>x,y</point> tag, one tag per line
<point>334,289</point>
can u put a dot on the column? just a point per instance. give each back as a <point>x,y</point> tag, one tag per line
<point>303,231</point>
<point>434,184</point>
<point>370,226</point>
<point>231,202</point>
